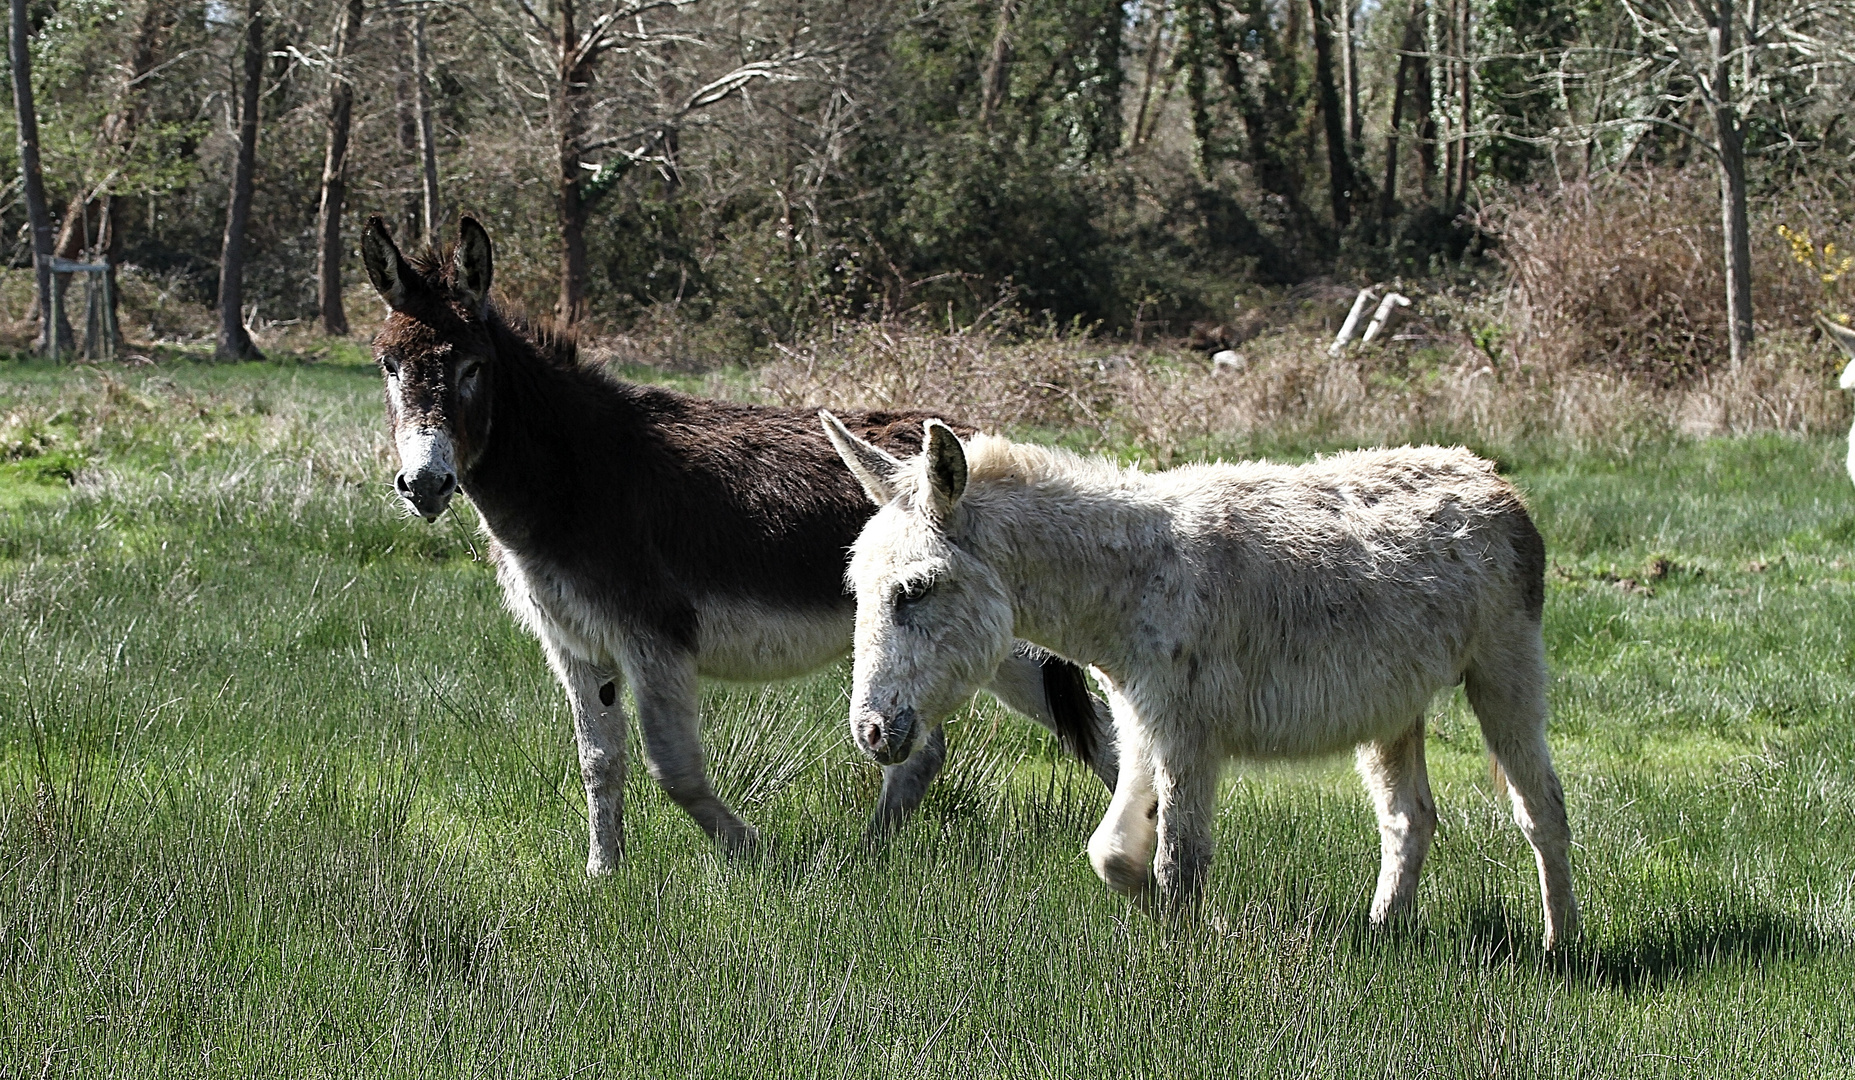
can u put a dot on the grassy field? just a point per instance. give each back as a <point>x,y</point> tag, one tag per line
<point>283,791</point>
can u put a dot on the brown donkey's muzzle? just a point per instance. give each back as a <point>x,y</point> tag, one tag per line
<point>427,491</point>
<point>427,476</point>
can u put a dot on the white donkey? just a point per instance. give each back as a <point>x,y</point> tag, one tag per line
<point>1844,337</point>
<point>1252,610</point>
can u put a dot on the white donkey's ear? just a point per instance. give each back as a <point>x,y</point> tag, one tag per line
<point>1844,337</point>
<point>946,466</point>
<point>873,467</point>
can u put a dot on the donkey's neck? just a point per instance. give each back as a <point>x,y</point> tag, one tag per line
<point>1078,564</point>
<point>539,460</point>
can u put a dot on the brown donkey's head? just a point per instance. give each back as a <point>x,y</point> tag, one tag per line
<point>435,351</point>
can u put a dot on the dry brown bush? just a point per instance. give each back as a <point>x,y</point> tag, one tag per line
<point>1627,274</point>
<point>979,374</point>
<point>1163,403</point>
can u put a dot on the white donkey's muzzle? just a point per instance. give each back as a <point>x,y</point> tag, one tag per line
<point>427,476</point>
<point>890,740</point>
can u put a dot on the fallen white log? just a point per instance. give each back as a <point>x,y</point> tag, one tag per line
<point>1366,296</point>
<point>1388,310</point>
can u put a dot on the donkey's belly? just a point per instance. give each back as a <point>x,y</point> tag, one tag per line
<point>1305,710</point>
<point>1312,724</point>
<point>736,639</point>
<point>752,642</point>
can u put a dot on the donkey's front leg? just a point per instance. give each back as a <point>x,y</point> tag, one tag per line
<point>1185,780</point>
<point>599,735</point>
<point>904,785</point>
<point>1121,850</point>
<point>663,680</point>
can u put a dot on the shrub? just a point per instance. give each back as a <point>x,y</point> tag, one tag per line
<point>1627,274</point>
<point>1287,393</point>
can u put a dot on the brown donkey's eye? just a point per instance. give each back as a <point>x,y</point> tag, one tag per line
<point>391,365</point>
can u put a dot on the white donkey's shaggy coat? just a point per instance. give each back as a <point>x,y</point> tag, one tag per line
<point>1249,610</point>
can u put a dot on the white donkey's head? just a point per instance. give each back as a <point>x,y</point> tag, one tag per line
<point>933,620</point>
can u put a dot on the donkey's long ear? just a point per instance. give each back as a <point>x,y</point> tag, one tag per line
<point>946,466</point>
<point>473,264</point>
<point>386,268</point>
<point>873,467</point>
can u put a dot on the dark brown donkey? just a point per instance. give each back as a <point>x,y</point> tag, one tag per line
<point>650,536</point>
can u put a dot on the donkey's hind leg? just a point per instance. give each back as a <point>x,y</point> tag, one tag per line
<point>1394,774</point>
<point>1508,693</point>
<point>599,736</point>
<point>663,680</point>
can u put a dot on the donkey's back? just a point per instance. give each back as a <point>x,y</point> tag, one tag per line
<point>1326,603</point>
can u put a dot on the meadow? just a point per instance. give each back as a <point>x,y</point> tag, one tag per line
<point>284,791</point>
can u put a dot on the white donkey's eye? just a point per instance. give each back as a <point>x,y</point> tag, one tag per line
<point>912,591</point>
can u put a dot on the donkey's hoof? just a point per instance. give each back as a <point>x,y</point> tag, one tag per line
<point>604,855</point>
<point>1124,874</point>
<point>1394,914</point>
<point>741,845</point>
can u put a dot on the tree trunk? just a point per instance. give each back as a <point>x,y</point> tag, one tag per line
<point>1737,234</point>
<point>405,108</point>
<point>1413,41</point>
<point>38,215</point>
<point>1340,180</point>
<point>428,151</point>
<point>120,127</point>
<point>234,342</point>
<point>335,176</point>
<point>1152,70</point>
<point>571,95</point>
<point>1465,86</point>
<point>1424,94</point>
<point>1349,76</point>
<point>1263,104</point>
<point>109,242</point>
<point>1450,142</point>
<point>73,237</point>
<point>998,65</point>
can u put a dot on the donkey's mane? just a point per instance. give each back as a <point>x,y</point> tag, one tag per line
<point>991,458</point>
<point>514,330</point>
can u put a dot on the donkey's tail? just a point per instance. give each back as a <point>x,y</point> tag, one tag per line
<point>1072,709</point>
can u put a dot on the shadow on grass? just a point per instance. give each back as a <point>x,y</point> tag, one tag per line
<point>1654,950</point>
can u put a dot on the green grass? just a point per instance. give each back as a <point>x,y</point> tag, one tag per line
<point>283,791</point>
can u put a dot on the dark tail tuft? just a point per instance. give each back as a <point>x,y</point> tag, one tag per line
<point>1530,553</point>
<point>1072,707</point>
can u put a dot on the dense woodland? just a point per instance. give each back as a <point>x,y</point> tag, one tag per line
<point>762,168</point>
